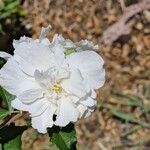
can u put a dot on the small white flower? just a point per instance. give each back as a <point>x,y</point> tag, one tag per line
<point>49,82</point>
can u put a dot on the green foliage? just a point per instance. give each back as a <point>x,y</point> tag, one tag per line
<point>63,138</point>
<point>13,131</point>
<point>11,137</point>
<point>9,8</point>
<point>2,62</point>
<point>3,113</point>
<point>69,51</point>
<point>6,97</point>
<point>14,144</point>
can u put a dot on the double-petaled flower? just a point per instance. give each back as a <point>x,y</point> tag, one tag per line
<point>54,81</point>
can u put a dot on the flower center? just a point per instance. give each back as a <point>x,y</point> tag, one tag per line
<point>56,88</point>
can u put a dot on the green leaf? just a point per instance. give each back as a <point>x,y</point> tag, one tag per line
<point>2,61</point>
<point>14,144</point>
<point>69,51</point>
<point>8,133</point>
<point>64,138</point>
<point>3,113</point>
<point>7,97</point>
<point>10,8</point>
<point>11,5</point>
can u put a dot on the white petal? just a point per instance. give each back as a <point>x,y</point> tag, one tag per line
<point>58,39</point>
<point>44,32</point>
<point>89,102</point>
<point>17,104</point>
<point>74,85</point>
<point>5,55</point>
<point>45,120</point>
<point>31,95</point>
<point>93,94</point>
<point>32,56</point>
<point>74,99</point>
<point>28,84</point>
<point>44,79</point>
<point>63,72</point>
<point>66,43</point>
<point>14,80</point>
<point>45,42</point>
<point>22,39</point>
<point>67,113</point>
<point>82,109</point>
<point>58,51</point>
<point>90,65</point>
<point>87,114</point>
<point>35,109</point>
<point>86,45</point>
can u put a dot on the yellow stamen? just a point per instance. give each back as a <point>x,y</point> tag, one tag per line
<point>56,88</point>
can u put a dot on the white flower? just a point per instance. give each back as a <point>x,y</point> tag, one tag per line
<point>54,88</point>
<point>78,46</point>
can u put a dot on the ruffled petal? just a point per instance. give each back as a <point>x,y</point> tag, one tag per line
<point>44,79</point>
<point>89,102</point>
<point>74,85</point>
<point>32,56</point>
<point>44,32</point>
<point>45,42</point>
<point>35,109</point>
<point>58,39</point>
<point>29,96</point>
<point>58,52</point>
<point>67,113</point>
<point>86,45</point>
<point>22,39</point>
<point>93,94</point>
<point>90,65</point>
<point>82,109</point>
<point>41,111</point>
<point>5,55</point>
<point>14,80</point>
<point>45,120</point>
<point>17,104</point>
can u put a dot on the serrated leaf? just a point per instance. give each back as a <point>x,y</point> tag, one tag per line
<point>7,97</point>
<point>3,113</point>
<point>64,138</point>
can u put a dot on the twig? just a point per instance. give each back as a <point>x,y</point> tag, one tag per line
<point>15,117</point>
<point>121,28</point>
<point>122,4</point>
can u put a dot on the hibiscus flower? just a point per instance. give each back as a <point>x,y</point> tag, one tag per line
<point>54,81</point>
